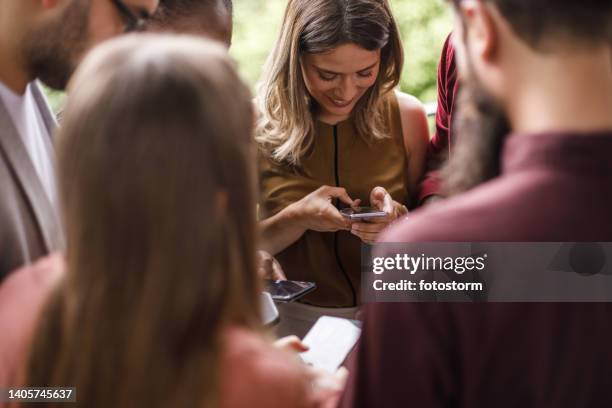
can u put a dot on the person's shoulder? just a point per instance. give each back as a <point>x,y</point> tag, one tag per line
<point>436,222</point>
<point>37,279</point>
<point>409,105</point>
<point>24,291</point>
<point>413,120</point>
<point>477,215</point>
<point>448,49</point>
<point>22,296</point>
<point>257,374</point>
<point>447,63</point>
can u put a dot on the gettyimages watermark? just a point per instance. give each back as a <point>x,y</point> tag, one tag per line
<point>487,272</point>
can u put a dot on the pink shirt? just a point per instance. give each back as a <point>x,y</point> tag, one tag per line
<point>252,372</point>
<point>22,297</point>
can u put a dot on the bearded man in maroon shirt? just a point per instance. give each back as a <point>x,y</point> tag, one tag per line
<point>541,69</point>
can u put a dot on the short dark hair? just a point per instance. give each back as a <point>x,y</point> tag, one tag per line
<point>186,6</point>
<point>228,4</point>
<point>211,16</point>
<point>579,21</point>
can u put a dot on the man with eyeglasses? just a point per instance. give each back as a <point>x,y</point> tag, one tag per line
<point>43,40</point>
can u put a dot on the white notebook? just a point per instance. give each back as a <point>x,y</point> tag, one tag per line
<point>330,340</point>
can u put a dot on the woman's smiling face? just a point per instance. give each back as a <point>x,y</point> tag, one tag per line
<point>337,79</point>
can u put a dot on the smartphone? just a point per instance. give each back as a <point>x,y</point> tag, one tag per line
<point>288,290</point>
<point>362,213</point>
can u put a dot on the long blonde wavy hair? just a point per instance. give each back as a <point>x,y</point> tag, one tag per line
<point>285,127</point>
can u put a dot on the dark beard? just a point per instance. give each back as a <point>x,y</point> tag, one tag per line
<point>480,127</point>
<point>52,51</point>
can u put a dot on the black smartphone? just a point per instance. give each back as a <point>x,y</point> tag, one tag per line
<point>288,290</point>
<point>362,213</point>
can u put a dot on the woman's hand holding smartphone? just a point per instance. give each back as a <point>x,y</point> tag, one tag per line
<point>370,229</point>
<point>317,212</point>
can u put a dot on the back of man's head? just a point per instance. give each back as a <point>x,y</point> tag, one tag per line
<point>546,23</point>
<point>211,18</point>
<point>527,66</point>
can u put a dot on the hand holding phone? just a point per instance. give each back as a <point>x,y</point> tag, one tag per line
<point>369,230</point>
<point>317,211</point>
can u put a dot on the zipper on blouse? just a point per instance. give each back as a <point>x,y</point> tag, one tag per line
<point>336,234</point>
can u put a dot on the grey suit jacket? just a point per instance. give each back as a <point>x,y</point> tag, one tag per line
<point>29,225</point>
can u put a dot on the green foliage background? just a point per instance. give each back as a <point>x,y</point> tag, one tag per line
<point>424,24</point>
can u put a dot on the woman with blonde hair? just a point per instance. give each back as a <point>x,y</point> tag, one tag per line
<point>333,132</point>
<point>157,304</point>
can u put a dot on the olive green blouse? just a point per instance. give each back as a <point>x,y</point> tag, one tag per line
<point>338,157</point>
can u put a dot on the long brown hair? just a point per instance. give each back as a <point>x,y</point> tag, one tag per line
<point>285,127</point>
<point>155,169</point>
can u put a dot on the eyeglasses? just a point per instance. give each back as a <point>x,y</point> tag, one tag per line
<point>133,22</point>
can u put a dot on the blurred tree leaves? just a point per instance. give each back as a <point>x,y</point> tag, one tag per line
<point>256,27</point>
<point>55,98</point>
<point>424,25</point>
